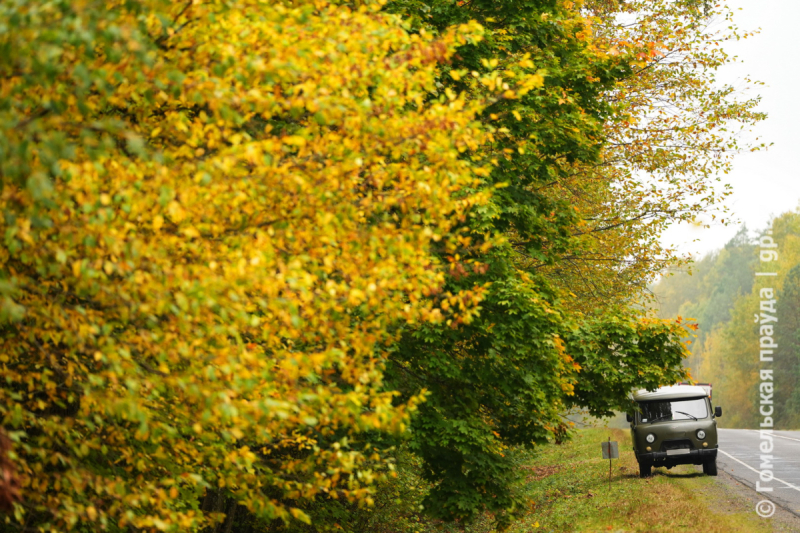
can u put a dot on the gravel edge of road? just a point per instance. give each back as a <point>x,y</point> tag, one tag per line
<point>737,496</point>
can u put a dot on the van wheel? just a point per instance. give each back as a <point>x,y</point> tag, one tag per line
<point>710,467</point>
<point>644,469</point>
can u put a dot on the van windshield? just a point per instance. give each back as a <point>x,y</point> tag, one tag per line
<point>674,410</point>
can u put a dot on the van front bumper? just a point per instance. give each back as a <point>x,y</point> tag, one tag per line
<point>693,457</point>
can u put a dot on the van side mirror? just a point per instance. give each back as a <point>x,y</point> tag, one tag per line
<point>718,411</point>
<point>628,417</point>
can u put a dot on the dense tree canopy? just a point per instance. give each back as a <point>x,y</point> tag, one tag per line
<point>208,244</point>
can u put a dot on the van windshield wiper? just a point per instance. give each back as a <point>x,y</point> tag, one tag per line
<point>687,414</point>
<point>662,417</point>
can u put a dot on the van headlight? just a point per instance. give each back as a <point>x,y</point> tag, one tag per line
<point>701,434</point>
<point>650,438</point>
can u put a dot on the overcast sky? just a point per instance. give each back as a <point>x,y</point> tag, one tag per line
<point>766,183</point>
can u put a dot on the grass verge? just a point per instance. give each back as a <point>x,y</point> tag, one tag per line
<point>568,490</point>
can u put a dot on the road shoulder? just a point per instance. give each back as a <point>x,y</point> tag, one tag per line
<point>730,495</point>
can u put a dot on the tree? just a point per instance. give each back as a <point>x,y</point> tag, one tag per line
<point>216,218</point>
<point>506,377</point>
<point>787,371</point>
<point>670,139</point>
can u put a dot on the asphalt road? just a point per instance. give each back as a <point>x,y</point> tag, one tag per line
<point>739,455</point>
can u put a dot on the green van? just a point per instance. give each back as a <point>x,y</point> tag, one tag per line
<point>674,425</point>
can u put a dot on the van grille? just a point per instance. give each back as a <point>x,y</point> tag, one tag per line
<point>676,444</point>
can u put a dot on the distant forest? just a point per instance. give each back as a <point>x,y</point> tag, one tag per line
<point>720,293</point>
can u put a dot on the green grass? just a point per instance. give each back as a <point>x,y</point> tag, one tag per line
<point>568,490</point>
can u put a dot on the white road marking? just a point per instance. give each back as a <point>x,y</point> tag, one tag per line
<point>775,435</point>
<point>789,485</point>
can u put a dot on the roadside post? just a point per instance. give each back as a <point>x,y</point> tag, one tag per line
<point>610,451</point>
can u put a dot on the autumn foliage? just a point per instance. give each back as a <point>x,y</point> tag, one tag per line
<point>208,244</point>
<point>252,247</point>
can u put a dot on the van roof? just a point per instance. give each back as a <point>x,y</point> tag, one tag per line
<point>673,392</point>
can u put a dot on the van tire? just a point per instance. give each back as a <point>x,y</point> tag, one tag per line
<point>710,467</point>
<point>644,469</point>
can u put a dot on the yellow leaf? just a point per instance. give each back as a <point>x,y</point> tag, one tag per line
<point>294,140</point>
<point>191,231</point>
<point>176,212</point>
